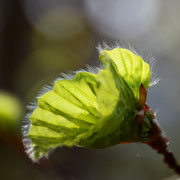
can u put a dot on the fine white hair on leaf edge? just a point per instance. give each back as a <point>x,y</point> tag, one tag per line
<point>71,75</point>
<point>44,90</point>
<point>118,44</point>
<point>26,124</point>
<point>93,69</point>
<point>151,61</point>
<point>156,112</point>
<point>147,57</point>
<point>101,46</point>
<point>29,149</point>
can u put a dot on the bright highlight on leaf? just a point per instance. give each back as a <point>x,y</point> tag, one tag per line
<point>98,110</point>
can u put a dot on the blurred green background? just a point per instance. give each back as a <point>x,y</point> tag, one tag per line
<point>40,39</point>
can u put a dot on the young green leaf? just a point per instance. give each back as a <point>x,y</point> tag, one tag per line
<point>92,110</point>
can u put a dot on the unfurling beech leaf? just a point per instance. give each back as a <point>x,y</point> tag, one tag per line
<point>96,110</point>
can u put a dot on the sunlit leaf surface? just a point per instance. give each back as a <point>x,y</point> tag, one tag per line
<point>92,110</point>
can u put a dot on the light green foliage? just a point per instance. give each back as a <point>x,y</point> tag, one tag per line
<point>93,110</point>
<point>10,112</point>
<point>130,66</point>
